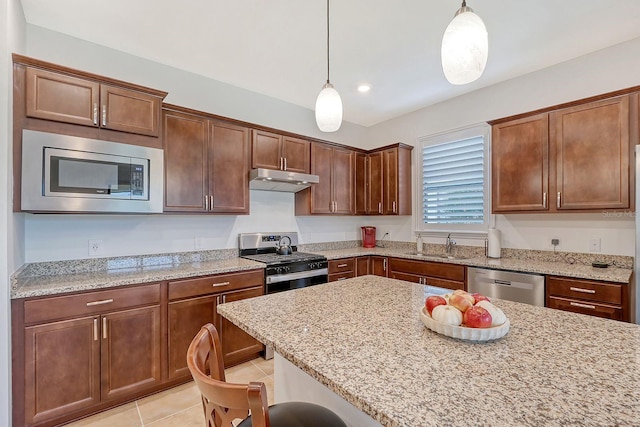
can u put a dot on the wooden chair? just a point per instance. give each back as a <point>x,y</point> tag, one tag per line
<point>225,402</point>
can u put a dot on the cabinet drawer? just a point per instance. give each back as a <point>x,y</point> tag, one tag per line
<point>213,284</point>
<point>341,276</point>
<point>610,293</point>
<point>341,265</point>
<point>426,268</point>
<point>443,283</point>
<point>584,307</point>
<point>48,309</point>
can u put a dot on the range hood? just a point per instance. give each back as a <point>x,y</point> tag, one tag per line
<point>275,180</point>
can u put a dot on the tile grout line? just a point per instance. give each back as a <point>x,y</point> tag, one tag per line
<point>139,414</point>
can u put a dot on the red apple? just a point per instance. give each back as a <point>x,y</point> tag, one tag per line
<point>461,301</point>
<point>477,317</point>
<point>479,297</point>
<point>433,301</point>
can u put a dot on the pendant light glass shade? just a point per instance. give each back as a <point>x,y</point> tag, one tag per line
<point>465,47</point>
<point>328,102</point>
<point>328,109</point>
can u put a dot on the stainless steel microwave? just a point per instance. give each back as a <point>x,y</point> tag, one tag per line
<point>62,173</point>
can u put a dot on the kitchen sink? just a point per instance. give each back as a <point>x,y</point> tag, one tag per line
<point>430,255</point>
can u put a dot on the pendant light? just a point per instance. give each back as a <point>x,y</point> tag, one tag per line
<point>465,47</point>
<point>328,103</point>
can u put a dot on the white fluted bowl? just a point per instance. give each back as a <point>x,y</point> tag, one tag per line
<point>463,332</point>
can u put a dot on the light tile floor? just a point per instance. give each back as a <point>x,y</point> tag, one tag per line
<point>179,406</point>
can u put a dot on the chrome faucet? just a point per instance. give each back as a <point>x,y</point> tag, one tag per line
<point>448,246</point>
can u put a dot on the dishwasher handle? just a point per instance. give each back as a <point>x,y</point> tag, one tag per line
<point>502,282</point>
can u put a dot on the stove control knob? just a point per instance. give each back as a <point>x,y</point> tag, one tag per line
<point>312,265</point>
<point>287,269</point>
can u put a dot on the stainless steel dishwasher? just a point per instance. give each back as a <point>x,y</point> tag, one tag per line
<point>519,287</point>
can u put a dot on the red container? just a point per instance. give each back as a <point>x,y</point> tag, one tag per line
<point>368,237</point>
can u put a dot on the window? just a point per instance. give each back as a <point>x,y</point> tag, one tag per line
<point>453,181</point>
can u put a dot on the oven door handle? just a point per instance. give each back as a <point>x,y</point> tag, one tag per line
<point>277,278</point>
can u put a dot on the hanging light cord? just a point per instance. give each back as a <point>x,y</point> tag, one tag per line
<point>328,42</point>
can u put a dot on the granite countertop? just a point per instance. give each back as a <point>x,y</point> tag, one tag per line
<point>363,339</point>
<point>49,278</point>
<point>50,284</point>
<point>577,270</point>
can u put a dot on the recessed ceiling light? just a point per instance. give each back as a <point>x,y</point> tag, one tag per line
<point>364,88</point>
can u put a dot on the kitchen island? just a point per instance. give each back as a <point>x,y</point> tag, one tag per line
<point>363,340</point>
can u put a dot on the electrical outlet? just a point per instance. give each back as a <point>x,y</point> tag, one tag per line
<point>595,244</point>
<point>96,247</point>
<point>555,241</point>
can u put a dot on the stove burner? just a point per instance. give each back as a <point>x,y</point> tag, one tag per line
<point>272,258</point>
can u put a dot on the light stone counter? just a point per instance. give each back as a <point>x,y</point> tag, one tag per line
<point>362,338</point>
<point>49,284</point>
<point>529,265</point>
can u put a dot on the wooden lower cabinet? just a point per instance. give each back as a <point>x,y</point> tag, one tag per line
<point>81,362</point>
<point>379,266</point>
<point>193,303</point>
<point>601,299</point>
<point>363,264</point>
<point>81,353</point>
<point>443,275</point>
<point>341,269</point>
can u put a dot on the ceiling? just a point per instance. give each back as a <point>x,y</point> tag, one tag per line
<point>278,47</point>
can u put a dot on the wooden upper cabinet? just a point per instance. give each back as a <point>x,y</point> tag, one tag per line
<point>334,194</point>
<point>185,140</point>
<point>592,155</point>
<point>129,111</point>
<point>206,164</point>
<point>229,154</point>
<point>375,177</point>
<point>390,168</point>
<point>274,151</point>
<point>361,184</point>
<point>65,98</point>
<point>573,159</point>
<point>58,97</point>
<point>520,165</point>
<point>396,181</point>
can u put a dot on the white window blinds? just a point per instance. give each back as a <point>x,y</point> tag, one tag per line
<point>453,182</point>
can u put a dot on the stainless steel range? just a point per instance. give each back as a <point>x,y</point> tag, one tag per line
<point>286,269</point>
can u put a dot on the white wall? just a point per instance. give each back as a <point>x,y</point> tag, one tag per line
<point>11,228</point>
<point>604,71</point>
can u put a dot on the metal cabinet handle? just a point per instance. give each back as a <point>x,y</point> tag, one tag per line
<point>384,264</point>
<point>342,265</point>
<point>393,208</point>
<point>95,113</point>
<point>379,207</point>
<point>285,163</point>
<point>104,115</point>
<point>577,304</point>
<point>95,329</point>
<point>584,291</point>
<point>558,201</point>
<point>342,278</point>
<point>104,301</point>
<point>281,164</point>
<point>224,299</point>
<point>218,300</point>
<point>206,203</point>
<point>104,328</point>
<point>544,200</point>
<point>211,203</point>
<point>221,284</point>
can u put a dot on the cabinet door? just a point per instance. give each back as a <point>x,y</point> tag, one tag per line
<point>376,186</point>
<point>362,265</point>
<point>229,160</point>
<point>342,181</point>
<point>296,154</point>
<point>265,150</point>
<point>592,155</point>
<point>129,111</point>
<point>520,165</point>
<point>130,355</point>
<point>185,320</point>
<point>321,198</point>
<point>185,168</point>
<point>379,266</point>
<point>390,181</point>
<point>361,184</point>
<point>53,96</point>
<point>237,345</point>
<point>62,369</point>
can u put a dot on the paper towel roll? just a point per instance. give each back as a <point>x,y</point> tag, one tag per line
<point>495,247</point>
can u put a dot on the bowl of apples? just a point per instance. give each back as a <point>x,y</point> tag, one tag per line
<point>464,316</point>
